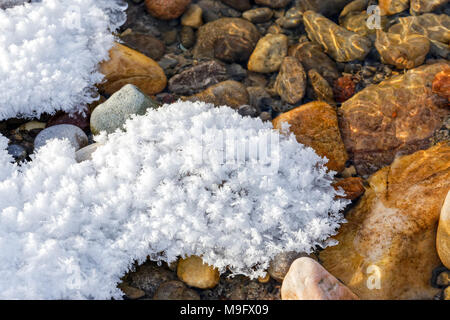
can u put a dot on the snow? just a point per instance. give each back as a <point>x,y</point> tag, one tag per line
<point>160,188</point>
<point>50,51</point>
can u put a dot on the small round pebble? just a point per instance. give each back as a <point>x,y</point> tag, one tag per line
<point>77,138</point>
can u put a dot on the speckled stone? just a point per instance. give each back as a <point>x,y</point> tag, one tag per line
<point>269,53</point>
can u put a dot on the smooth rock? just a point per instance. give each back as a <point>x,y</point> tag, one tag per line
<point>352,186</point>
<point>113,113</point>
<point>291,81</point>
<point>195,273</point>
<point>404,51</point>
<point>167,9</point>
<point>269,53</point>
<point>86,153</point>
<point>192,17</point>
<point>148,277</point>
<point>341,44</point>
<point>308,280</point>
<point>17,152</point>
<point>31,125</point>
<point>280,264</point>
<point>228,93</point>
<point>423,6</point>
<point>144,43</point>
<point>130,292</point>
<point>357,22</point>
<point>325,7</point>
<point>315,124</point>
<point>228,39</point>
<point>127,66</point>
<point>259,98</point>
<point>321,88</point>
<point>240,5</point>
<point>187,37</point>
<point>397,116</point>
<point>443,233</point>
<point>312,56</point>
<point>198,78</point>
<point>387,250</point>
<point>390,7</point>
<point>258,15</point>
<point>175,290</point>
<point>273,3</point>
<point>77,138</point>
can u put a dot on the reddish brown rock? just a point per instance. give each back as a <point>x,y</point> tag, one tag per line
<point>344,88</point>
<point>397,116</point>
<point>291,81</point>
<point>77,119</point>
<point>352,186</point>
<point>127,66</point>
<point>308,280</point>
<point>387,250</point>
<point>315,125</point>
<point>228,39</point>
<point>441,84</point>
<point>228,93</point>
<point>167,9</point>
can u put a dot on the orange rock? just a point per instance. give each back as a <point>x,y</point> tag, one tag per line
<point>195,273</point>
<point>315,124</point>
<point>167,9</point>
<point>308,280</point>
<point>390,7</point>
<point>127,66</point>
<point>353,187</point>
<point>387,250</point>
<point>441,84</point>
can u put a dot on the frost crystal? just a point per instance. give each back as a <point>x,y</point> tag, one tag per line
<point>49,53</point>
<point>164,187</point>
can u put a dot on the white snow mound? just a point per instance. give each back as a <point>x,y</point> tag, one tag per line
<point>50,51</point>
<point>161,188</point>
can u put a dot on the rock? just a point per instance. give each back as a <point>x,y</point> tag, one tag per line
<point>273,3</point>
<point>258,15</point>
<point>390,7</point>
<point>259,98</point>
<point>148,277</point>
<point>404,51</point>
<point>392,118</point>
<point>344,88</point>
<point>269,53</point>
<point>292,19</point>
<point>443,279</point>
<point>325,7</point>
<point>170,37</point>
<point>113,113</point>
<point>446,294</point>
<point>175,290</point>
<point>341,44</point>
<point>187,37</point>
<point>198,78</point>
<point>228,93</point>
<point>17,152</point>
<point>308,280</point>
<point>354,6</point>
<point>265,279</point>
<point>150,46</point>
<point>291,81</point>
<point>353,187</point>
<point>443,233</point>
<point>387,250</point>
<point>195,273</point>
<point>75,135</point>
<point>321,88</point>
<point>441,84</point>
<point>192,17</point>
<point>423,6</point>
<point>249,111</point>
<point>228,39</point>
<point>240,5</point>
<point>127,66</point>
<point>280,264</point>
<point>435,27</point>
<point>312,56</point>
<point>357,22</point>
<point>31,125</point>
<point>77,119</point>
<point>265,116</point>
<point>167,9</point>
<point>315,124</point>
<point>130,292</point>
<point>236,71</point>
<point>86,153</point>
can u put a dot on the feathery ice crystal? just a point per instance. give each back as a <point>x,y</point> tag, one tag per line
<point>49,53</point>
<point>71,230</point>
